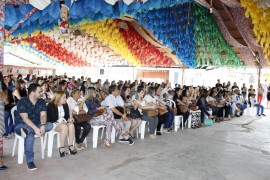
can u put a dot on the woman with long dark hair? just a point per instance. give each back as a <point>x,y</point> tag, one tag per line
<point>9,103</point>
<point>83,87</point>
<point>20,90</point>
<point>142,105</point>
<point>203,105</point>
<point>124,100</point>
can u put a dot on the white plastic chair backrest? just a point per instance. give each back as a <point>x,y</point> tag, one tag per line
<point>12,113</point>
<point>172,102</point>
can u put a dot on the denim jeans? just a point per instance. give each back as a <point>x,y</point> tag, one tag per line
<point>170,119</point>
<point>30,138</point>
<point>259,107</point>
<point>9,128</point>
<point>86,129</point>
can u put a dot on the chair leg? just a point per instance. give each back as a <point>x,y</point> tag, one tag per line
<point>95,136</point>
<point>45,140</point>
<point>113,135</point>
<point>162,128</point>
<point>14,145</point>
<point>20,151</point>
<point>85,142</point>
<point>50,144</point>
<point>102,133</point>
<point>42,147</point>
<point>176,123</point>
<point>58,140</point>
<point>182,122</point>
<point>189,121</point>
<point>142,127</point>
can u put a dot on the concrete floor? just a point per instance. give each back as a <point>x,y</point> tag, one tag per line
<point>238,149</point>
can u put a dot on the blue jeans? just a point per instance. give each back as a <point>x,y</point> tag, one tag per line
<point>258,108</point>
<point>30,138</point>
<point>9,128</point>
<point>170,119</point>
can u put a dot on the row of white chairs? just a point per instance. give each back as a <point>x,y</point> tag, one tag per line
<point>49,136</point>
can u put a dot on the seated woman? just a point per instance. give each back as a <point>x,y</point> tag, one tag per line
<point>20,90</point>
<point>100,116</point>
<point>105,91</point>
<point>47,94</point>
<point>221,104</point>
<point>189,98</point>
<point>140,104</point>
<point>153,100</point>
<point>170,113</point>
<point>212,103</point>
<point>227,105</point>
<point>203,105</point>
<point>77,105</point>
<point>182,106</point>
<point>123,100</point>
<point>58,114</point>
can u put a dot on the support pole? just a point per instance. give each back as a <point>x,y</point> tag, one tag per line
<point>183,75</point>
<point>2,33</point>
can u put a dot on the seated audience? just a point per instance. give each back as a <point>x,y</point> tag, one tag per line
<point>123,100</point>
<point>143,107</point>
<point>77,106</point>
<point>122,119</point>
<point>31,120</point>
<point>58,114</point>
<point>101,117</point>
<point>20,91</point>
<point>47,93</point>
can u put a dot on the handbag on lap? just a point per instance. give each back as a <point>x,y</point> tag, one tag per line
<point>134,114</point>
<point>98,113</point>
<point>121,109</point>
<point>82,116</point>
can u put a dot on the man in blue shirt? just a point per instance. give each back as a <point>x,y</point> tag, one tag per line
<point>31,120</point>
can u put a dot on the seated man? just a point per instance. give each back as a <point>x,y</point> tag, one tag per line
<point>31,120</point>
<point>123,122</point>
<point>254,103</point>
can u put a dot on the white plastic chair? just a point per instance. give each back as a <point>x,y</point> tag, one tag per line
<point>252,110</point>
<point>21,142</point>
<point>50,136</point>
<point>95,134</point>
<point>141,129</point>
<point>177,121</point>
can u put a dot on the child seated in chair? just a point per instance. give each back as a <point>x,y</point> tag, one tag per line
<point>254,103</point>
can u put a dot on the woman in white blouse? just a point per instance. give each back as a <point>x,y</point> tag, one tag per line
<point>77,104</point>
<point>58,114</point>
<point>47,93</point>
<point>140,104</point>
